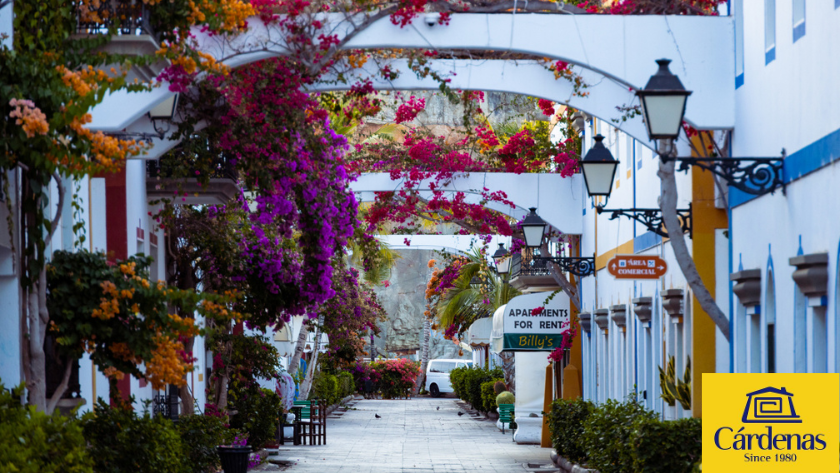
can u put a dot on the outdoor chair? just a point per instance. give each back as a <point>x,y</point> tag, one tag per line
<point>296,440</point>
<point>313,422</point>
<point>505,415</point>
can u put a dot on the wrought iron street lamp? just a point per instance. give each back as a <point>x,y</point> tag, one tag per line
<point>598,167</point>
<point>533,226</point>
<point>502,259</point>
<point>663,103</point>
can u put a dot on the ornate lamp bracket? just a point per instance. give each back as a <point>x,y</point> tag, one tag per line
<point>756,176</point>
<point>652,218</point>
<point>580,267</point>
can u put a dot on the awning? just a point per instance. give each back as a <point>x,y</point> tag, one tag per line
<point>479,332</point>
<point>497,334</point>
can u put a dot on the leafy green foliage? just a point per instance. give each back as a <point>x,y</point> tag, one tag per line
<point>499,387</point>
<point>200,435</point>
<point>257,414</point>
<point>505,397</point>
<point>488,395</point>
<point>673,389</point>
<point>120,441</point>
<point>607,435</point>
<point>325,386</point>
<point>456,379</point>
<point>565,421</point>
<point>472,385</point>
<point>33,442</point>
<point>666,447</point>
<point>346,384</point>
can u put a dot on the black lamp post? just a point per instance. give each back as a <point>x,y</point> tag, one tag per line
<point>533,227</point>
<point>502,260</point>
<point>663,103</point>
<point>598,167</point>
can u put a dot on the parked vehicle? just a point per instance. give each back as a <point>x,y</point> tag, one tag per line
<point>437,375</point>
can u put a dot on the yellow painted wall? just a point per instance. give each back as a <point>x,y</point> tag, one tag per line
<point>706,219</point>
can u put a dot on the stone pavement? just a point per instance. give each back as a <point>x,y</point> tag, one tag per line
<point>414,437</point>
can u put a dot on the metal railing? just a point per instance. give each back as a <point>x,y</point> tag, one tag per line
<point>524,263</point>
<point>166,167</point>
<point>127,17</point>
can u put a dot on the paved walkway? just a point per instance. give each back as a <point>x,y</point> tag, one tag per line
<point>413,436</point>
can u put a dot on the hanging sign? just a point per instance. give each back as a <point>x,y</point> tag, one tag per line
<point>528,323</point>
<point>637,267</point>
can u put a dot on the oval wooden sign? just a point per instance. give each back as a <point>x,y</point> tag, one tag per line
<point>637,267</point>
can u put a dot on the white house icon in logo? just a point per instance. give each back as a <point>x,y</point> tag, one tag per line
<point>770,406</point>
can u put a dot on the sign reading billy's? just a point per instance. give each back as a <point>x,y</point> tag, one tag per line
<point>528,323</point>
<point>770,422</point>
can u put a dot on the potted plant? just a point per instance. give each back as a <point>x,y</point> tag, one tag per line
<point>234,457</point>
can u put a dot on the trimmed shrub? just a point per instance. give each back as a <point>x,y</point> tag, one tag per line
<point>456,379</point>
<point>120,441</point>
<point>258,415</point>
<point>608,432</point>
<point>505,397</point>
<point>488,395</point>
<point>200,435</point>
<point>346,384</point>
<point>666,447</point>
<point>499,387</point>
<point>473,379</point>
<point>325,386</point>
<point>565,421</point>
<point>33,442</point>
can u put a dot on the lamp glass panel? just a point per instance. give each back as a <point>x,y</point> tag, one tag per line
<point>599,177</point>
<point>503,265</point>
<point>664,114</point>
<point>164,109</point>
<point>533,235</point>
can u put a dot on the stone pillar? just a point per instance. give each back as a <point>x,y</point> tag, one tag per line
<point>530,391</point>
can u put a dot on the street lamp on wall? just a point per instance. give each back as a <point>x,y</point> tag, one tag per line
<point>663,103</point>
<point>598,168</point>
<point>502,260</point>
<point>164,111</point>
<point>533,227</point>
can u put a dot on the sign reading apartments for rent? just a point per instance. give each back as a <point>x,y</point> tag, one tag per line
<point>531,324</point>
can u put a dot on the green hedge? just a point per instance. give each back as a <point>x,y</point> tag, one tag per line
<point>473,378</point>
<point>325,386</point>
<point>456,379</point>
<point>666,447</point>
<point>33,442</point>
<point>258,415</point>
<point>565,421</point>
<point>488,395</point>
<point>200,435</point>
<point>120,441</point>
<point>620,437</point>
<point>346,384</point>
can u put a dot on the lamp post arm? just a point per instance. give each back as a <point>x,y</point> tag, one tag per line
<point>560,279</point>
<point>668,205</point>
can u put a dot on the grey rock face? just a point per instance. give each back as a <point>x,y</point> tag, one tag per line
<point>404,302</point>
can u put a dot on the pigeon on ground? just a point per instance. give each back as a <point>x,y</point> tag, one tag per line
<point>438,408</point>
<point>377,416</point>
<point>460,413</point>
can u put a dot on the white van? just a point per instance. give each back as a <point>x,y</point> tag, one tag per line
<point>437,375</point>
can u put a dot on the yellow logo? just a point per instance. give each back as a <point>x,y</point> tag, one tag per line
<point>771,422</point>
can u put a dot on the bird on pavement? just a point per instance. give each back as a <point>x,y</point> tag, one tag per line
<point>438,408</point>
<point>377,416</point>
<point>460,413</point>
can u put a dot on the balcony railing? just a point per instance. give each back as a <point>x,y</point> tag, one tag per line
<point>128,17</point>
<point>167,168</point>
<point>524,264</point>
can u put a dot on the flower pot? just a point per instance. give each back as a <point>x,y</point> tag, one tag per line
<point>234,459</point>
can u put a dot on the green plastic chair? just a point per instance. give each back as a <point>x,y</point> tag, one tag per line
<point>505,415</point>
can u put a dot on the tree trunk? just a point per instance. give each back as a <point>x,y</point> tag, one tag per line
<point>424,354</point>
<point>65,380</point>
<point>306,385</point>
<point>668,205</point>
<point>301,342</point>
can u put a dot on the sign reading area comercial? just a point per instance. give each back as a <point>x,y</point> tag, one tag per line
<point>637,267</point>
<point>771,422</point>
<point>532,325</point>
